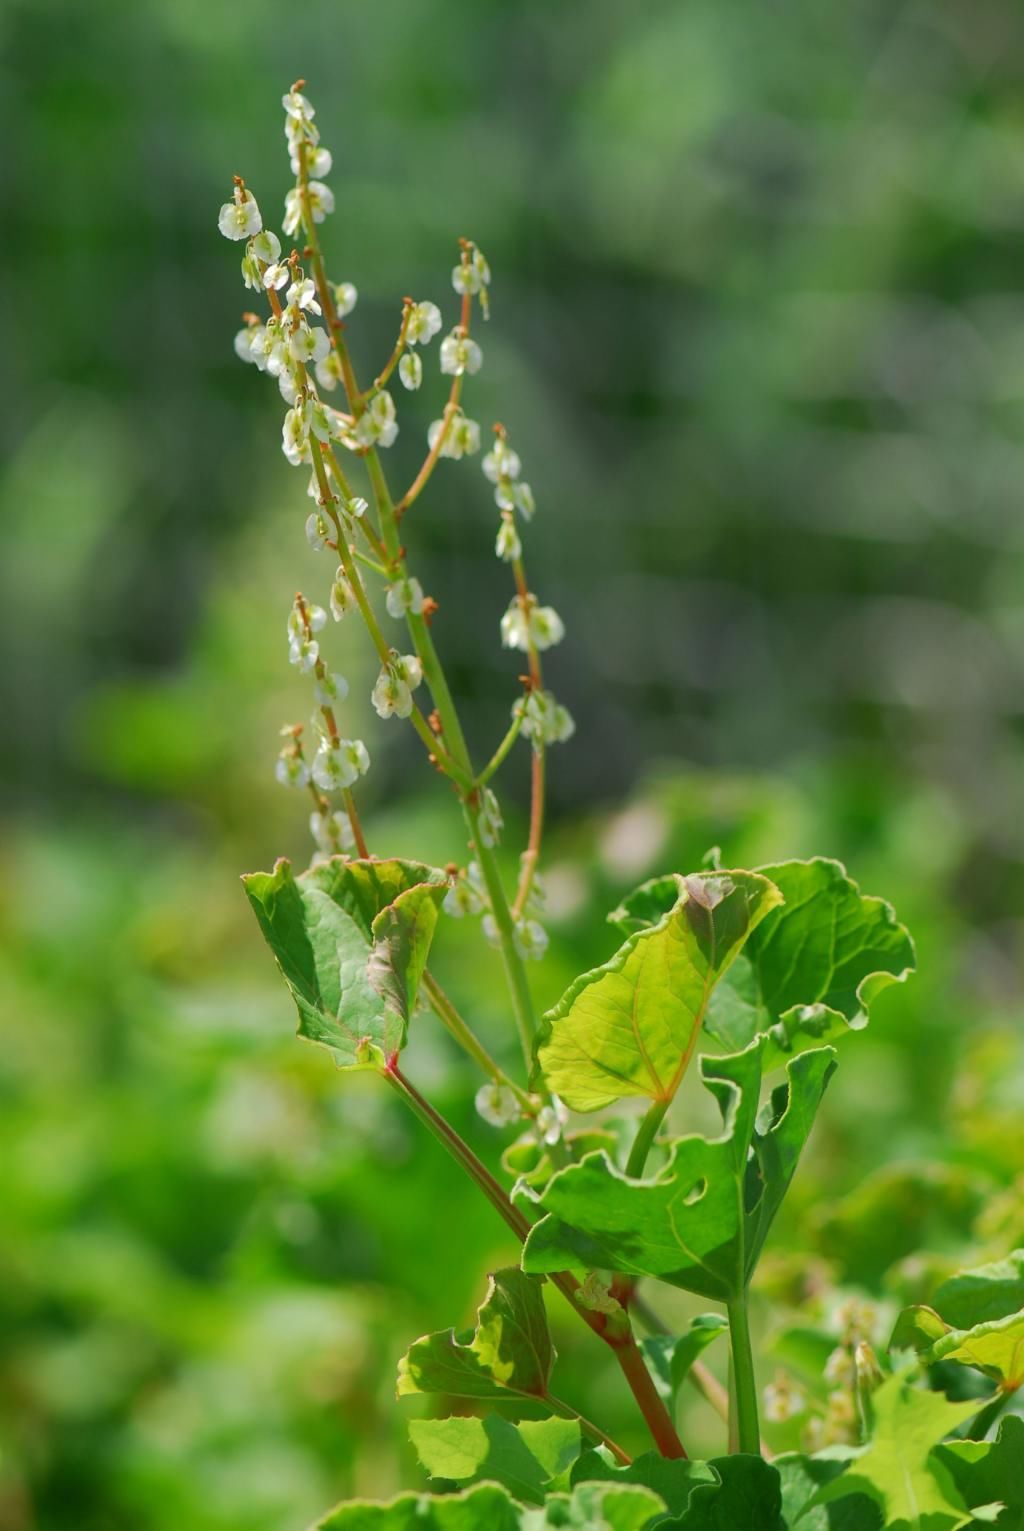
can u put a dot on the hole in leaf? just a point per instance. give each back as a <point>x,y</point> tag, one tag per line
<point>695,1193</point>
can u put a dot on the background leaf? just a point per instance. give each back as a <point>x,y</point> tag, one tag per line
<point>630,1026</point>
<point>670,1357</point>
<point>485,1508</point>
<point>987,1472</point>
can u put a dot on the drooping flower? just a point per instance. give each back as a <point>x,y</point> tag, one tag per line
<point>404,595</point>
<point>240,218</point>
<point>410,370</point>
<point>424,323</point>
<point>497,1104</point>
<point>459,354</point>
<point>339,762</point>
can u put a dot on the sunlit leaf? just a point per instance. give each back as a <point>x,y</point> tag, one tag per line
<point>485,1508</point>
<point>814,965</point>
<point>630,1026</point>
<point>524,1457</point>
<point>701,1221</point>
<point>353,964</point>
<point>897,1469</point>
<point>509,1351</point>
<point>983,1293</point>
<point>672,1480</point>
<point>995,1348</point>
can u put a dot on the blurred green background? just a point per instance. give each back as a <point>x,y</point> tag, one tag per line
<point>759,338</point>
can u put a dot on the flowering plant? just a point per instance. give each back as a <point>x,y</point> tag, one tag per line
<point>766,969</point>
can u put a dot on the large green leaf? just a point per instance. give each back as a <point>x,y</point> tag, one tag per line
<point>353,963</point>
<point>987,1472</point>
<point>509,1351</point>
<point>596,1507</point>
<point>813,966</point>
<point>701,1221</point>
<point>897,1470</point>
<point>524,1457</point>
<point>630,1026</point>
<point>748,1494</point>
<point>671,1357</point>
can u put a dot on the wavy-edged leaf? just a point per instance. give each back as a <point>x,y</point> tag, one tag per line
<point>485,1508</point>
<point>509,1351</point>
<point>630,1026</point>
<point>532,1162</point>
<point>670,1357</point>
<point>672,1480</point>
<point>991,1472</point>
<point>699,1223</point>
<point>525,1458</point>
<point>897,1470</point>
<point>811,970</point>
<point>803,1476</point>
<point>597,1507</point>
<point>352,964</point>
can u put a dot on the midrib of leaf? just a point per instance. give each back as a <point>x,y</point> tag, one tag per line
<point>698,1020</point>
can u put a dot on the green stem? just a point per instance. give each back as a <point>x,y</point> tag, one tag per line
<point>498,758</point>
<point>460,1150</point>
<point>744,1431</point>
<point>589,1429</point>
<point>469,1042</point>
<point>644,1139</point>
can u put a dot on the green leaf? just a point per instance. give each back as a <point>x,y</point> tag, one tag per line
<point>671,1480</point>
<point>896,1470</point>
<point>597,1507</point>
<point>801,1479</point>
<point>701,1221</point>
<point>987,1472</point>
<point>983,1293</point>
<point>997,1348</point>
<point>749,1494</point>
<point>813,966</point>
<point>485,1508</point>
<point>670,1358</point>
<point>510,1350</point>
<point>630,1026</point>
<point>523,1457</point>
<point>532,1161</point>
<point>353,965</point>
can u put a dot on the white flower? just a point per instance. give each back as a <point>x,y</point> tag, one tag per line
<point>515,629</point>
<point>303,295</point>
<point>243,345</point>
<point>276,274</point>
<point>321,200</point>
<point>342,598</point>
<point>318,161</point>
<point>251,271</point>
<point>544,719</point>
<point>410,370</point>
<point>466,278</point>
<point>331,689</point>
<point>463,897</point>
<point>308,345</point>
<point>332,831</point>
<point>291,770</point>
<point>540,626</point>
<point>377,425</point>
<point>266,247</point>
<point>391,695</point>
<point>297,107</point>
<point>241,218</point>
<point>500,462</point>
<point>839,1368</point>
<point>460,354</point>
<point>405,595</point>
<point>292,211</point>
<point>339,763</point>
<point>424,323</point>
<point>316,617</point>
<point>295,435</point>
<point>531,939</point>
<point>317,530</point>
<point>550,1120</point>
<point>304,652</point>
<point>507,544</point>
<point>463,436</point>
<point>522,499</point>
<point>345,298</point>
<point>328,371</point>
<point>481,267</point>
<point>497,1104</point>
<point>489,820</point>
<point>782,1399</point>
<point>286,387</point>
